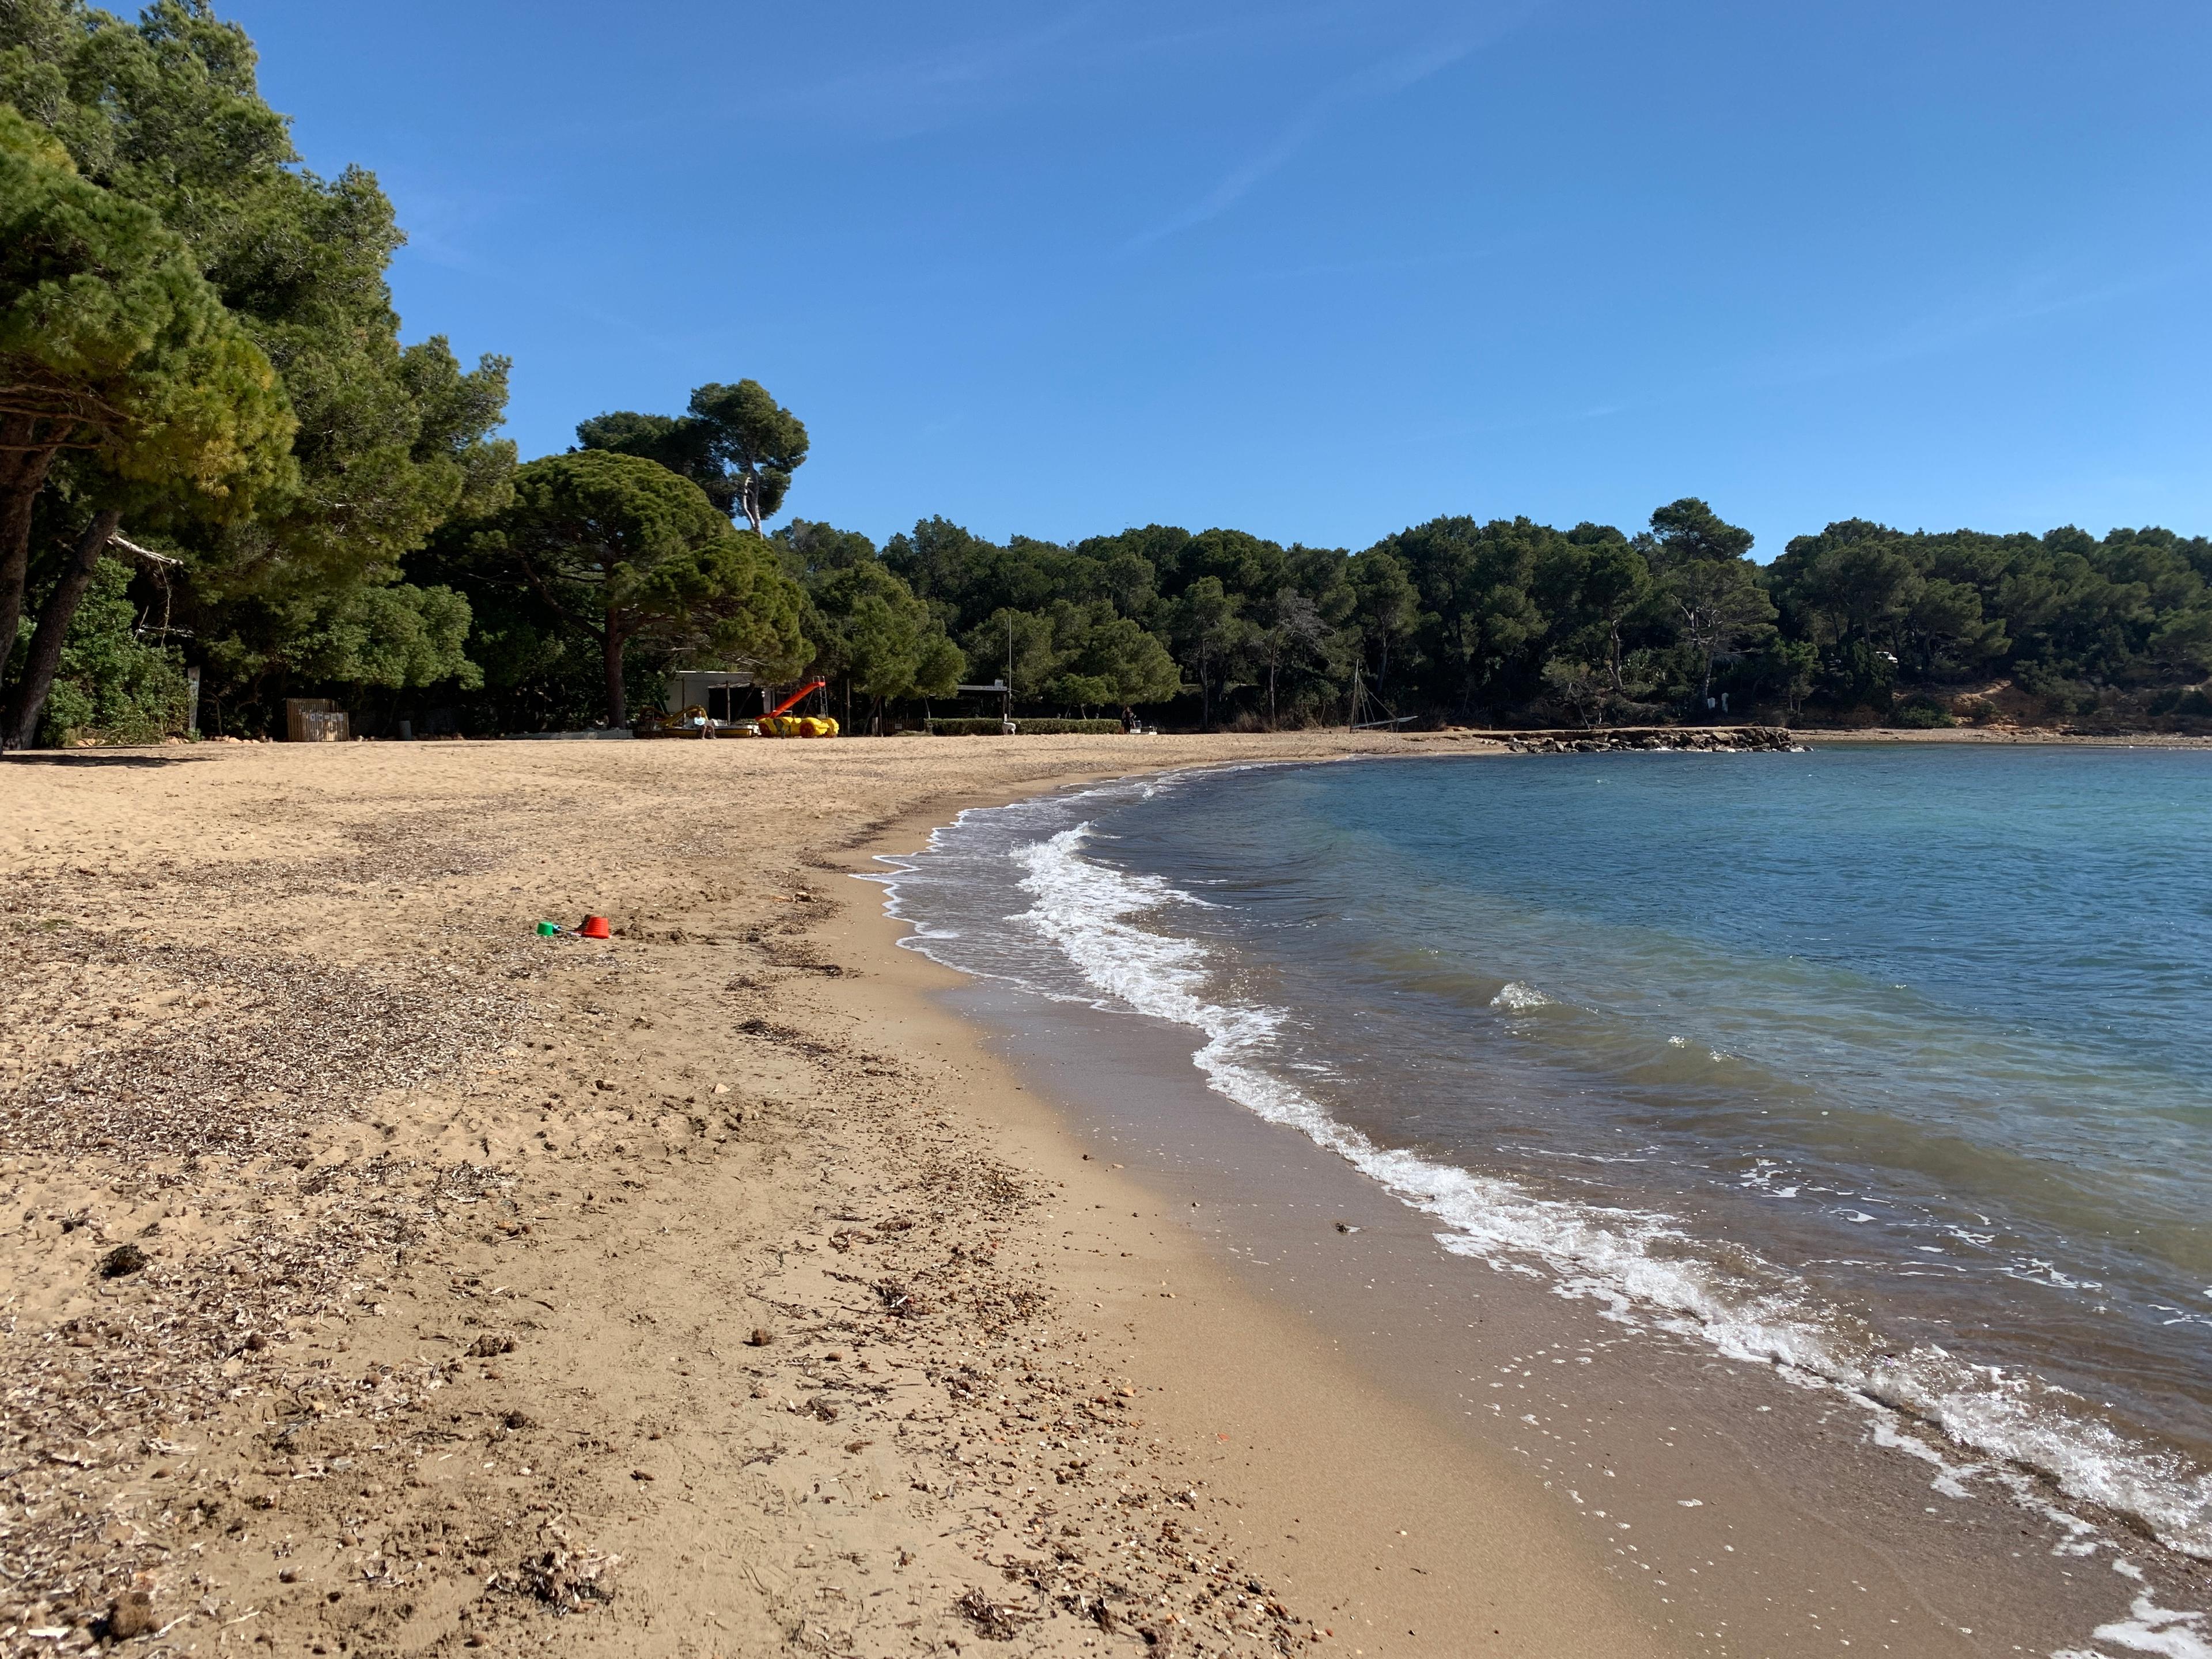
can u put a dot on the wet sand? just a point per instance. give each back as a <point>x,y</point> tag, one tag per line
<point>1737,1509</point>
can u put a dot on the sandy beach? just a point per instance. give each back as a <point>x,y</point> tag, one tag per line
<point>382,1278</point>
<point>389,1279</point>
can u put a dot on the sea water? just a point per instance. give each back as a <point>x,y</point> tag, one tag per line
<point>1885,1065</point>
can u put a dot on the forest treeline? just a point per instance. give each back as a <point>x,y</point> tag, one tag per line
<point>218,459</point>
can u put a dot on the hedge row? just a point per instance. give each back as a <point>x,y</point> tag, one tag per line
<point>1029,728</point>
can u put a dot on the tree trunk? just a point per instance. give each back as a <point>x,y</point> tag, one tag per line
<point>1613,658</point>
<point>618,702</point>
<point>29,699</point>
<point>22,475</point>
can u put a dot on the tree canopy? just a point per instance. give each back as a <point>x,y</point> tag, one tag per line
<point>390,441</point>
<point>735,442</point>
<point>624,550</point>
<point>877,637</point>
<point>207,411</point>
<point>1511,621</point>
<point>117,354</point>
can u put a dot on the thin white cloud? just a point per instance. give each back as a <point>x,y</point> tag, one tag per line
<point>918,94</point>
<point>1381,79</point>
<point>1381,265</point>
<point>921,88</point>
<point>2037,294</point>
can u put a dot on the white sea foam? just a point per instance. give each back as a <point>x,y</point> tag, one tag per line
<point>2150,1628</point>
<point>1641,1265</point>
<point>1516,998</point>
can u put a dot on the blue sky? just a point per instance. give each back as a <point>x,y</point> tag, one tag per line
<point>1323,271</point>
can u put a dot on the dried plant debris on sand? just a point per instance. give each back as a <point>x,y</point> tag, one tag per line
<point>358,1250</point>
<point>187,1051</point>
<point>104,1406</point>
<point>191,1189</point>
<point>921,1310</point>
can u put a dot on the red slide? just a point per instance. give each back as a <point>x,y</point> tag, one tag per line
<point>806,690</point>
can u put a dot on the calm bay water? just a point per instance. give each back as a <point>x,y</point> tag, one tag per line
<point>1887,1065</point>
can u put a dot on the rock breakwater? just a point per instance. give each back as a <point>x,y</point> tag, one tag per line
<point>1746,738</point>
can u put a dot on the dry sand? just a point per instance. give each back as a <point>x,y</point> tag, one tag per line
<point>382,1279</point>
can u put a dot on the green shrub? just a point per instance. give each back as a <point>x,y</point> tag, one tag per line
<point>967,728</point>
<point>1923,714</point>
<point>110,686</point>
<point>2187,703</point>
<point>1028,728</point>
<point>2060,694</point>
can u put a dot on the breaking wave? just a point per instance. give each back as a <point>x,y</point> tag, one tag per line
<point>1515,997</point>
<point>1642,1266</point>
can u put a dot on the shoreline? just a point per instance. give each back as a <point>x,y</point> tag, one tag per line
<point>93,754</point>
<point>1785,1467</point>
<point>2009,736</point>
<point>690,1302</point>
<point>1976,734</point>
<point>461,1358</point>
<point>1315,1457</point>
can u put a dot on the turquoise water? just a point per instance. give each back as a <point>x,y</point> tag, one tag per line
<point>1887,1065</point>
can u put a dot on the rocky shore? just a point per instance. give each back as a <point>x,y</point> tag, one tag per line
<point>1704,738</point>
